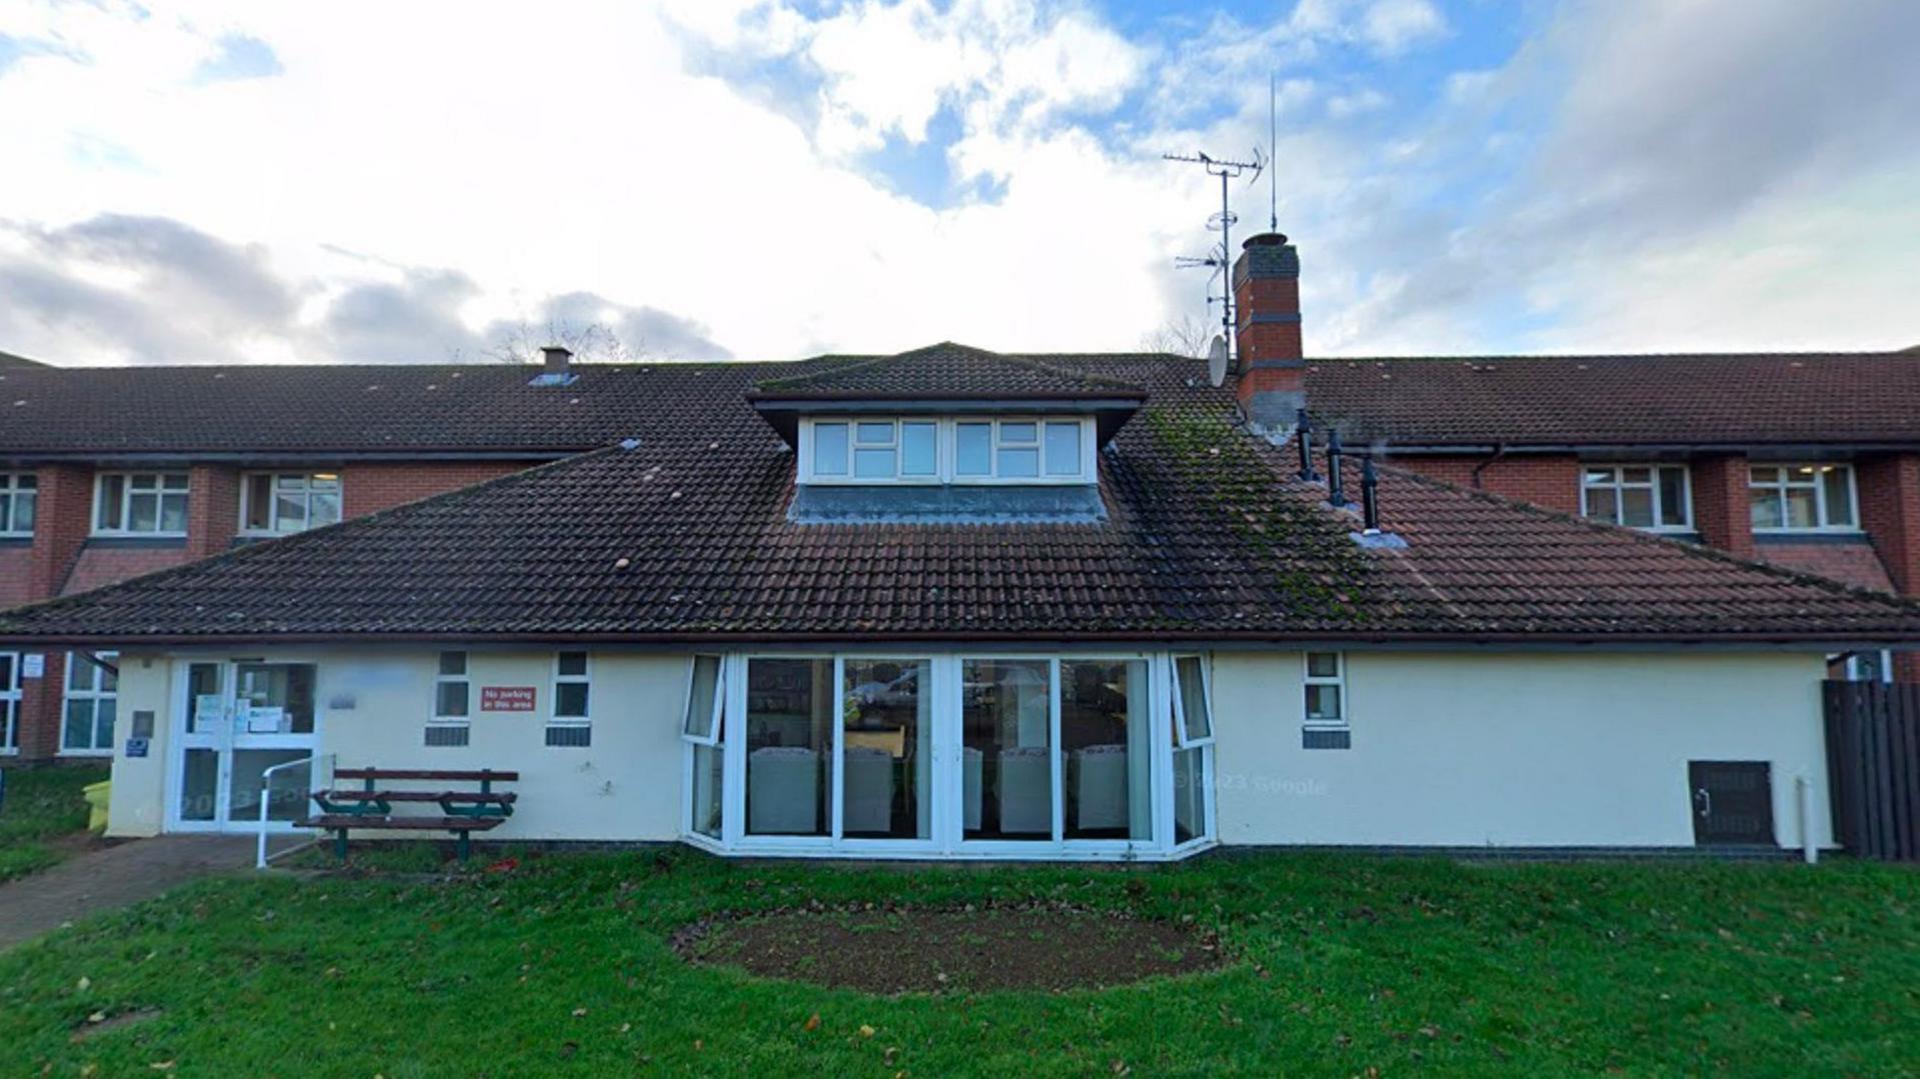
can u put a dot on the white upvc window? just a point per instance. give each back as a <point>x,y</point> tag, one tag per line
<point>1651,497</point>
<point>954,450</point>
<point>1326,689</point>
<point>9,703</point>
<point>19,493</point>
<point>282,503</point>
<point>140,504</point>
<point>1192,702</point>
<point>572,688</point>
<point>89,710</point>
<point>452,689</point>
<point>701,723</point>
<point>1802,498</point>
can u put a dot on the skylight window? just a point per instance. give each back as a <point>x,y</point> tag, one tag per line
<point>1014,450</point>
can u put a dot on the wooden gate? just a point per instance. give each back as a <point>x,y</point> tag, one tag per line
<point>1873,766</point>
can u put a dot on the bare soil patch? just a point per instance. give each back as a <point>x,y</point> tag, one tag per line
<point>908,949</point>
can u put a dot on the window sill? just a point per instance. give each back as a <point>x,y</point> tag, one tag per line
<point>137,539</point>
<point>1791,534</point>
<point>65,752</point>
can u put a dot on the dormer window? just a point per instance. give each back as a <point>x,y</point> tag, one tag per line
<point>1026,450</point>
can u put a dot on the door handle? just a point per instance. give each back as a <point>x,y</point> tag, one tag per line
<point>1704,800</point>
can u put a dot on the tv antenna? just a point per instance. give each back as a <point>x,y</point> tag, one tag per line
<point>1220,259</point>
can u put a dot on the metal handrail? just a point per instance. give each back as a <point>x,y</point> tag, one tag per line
<point>266,792</point>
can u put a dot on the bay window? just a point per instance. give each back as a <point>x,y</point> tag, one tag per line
<point>989,755</point>
<point>140,504</point>
<point>1807,497</point>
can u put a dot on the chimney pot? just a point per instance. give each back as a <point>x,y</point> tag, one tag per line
<point>558,357</point>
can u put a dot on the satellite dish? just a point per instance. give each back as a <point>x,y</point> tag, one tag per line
<point>1217,360</point>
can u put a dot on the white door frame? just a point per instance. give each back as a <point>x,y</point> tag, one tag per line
<point>224,742</point>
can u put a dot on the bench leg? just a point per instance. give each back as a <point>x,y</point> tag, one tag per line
<point>464,846</point>
<point>340,843</point>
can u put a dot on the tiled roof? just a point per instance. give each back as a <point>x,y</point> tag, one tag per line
<point>945,371</point>
<point>686,537</point>
<point>404,409</point>
<point>1804,398</point>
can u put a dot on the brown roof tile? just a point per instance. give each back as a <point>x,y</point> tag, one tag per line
<point>687,537</point>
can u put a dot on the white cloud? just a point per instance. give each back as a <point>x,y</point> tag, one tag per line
<point>1392,27</point>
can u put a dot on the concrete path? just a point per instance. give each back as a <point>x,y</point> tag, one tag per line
<point>111,878</point>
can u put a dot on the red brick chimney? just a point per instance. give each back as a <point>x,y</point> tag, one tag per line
<point>1266,304</point>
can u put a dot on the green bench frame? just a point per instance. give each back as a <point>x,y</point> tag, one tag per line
<point>370,807</point>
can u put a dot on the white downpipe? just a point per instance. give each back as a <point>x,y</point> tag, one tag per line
<point>1809,850</point>
<point>266,791</point>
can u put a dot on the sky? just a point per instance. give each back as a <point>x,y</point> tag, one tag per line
<point>251,181</point>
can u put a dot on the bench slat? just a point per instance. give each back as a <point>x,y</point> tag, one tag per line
<point>434,824</point>
<point>350,795</point>
<point>379,774</point>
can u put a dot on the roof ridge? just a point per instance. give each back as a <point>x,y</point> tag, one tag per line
<point>1530,357</point>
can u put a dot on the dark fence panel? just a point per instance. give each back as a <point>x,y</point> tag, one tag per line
<point>1873,765</point>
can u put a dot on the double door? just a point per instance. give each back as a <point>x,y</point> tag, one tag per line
<point>239,718</point>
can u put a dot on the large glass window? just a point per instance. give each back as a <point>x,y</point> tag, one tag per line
<point>789,734</point>
<point>274,698</point>
<point>141,503</point>
<point>19,492</point>
<point>1104,709</point>
<point>925,451</point>
<point>886,742</point>
<point>1653,497</point>
<point>279,503</point>
<point>1006,758</point>
<point>92,700</point>
<point>1801,497</point>
<point>9,702</point>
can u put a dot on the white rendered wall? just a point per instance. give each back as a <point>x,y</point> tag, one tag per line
<point>139,784</point>
<point>1514,749</point>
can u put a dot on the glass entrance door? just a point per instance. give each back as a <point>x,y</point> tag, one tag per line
<point>240,719</point>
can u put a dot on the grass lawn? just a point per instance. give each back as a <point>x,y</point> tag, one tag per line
<point>44,818</point>
<point>1341,964</point>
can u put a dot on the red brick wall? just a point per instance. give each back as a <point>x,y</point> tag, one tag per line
<point>213,509</point>
<point>1722,508</point>
<point>16,574</point>
<point>98,567</point>
<point>1889,489</point>
<point>1552,482</point>
<point>40,702</point>
<point>63,515</point>
<point>370,488</point>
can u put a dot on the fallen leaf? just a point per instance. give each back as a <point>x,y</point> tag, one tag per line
<point>866,1031</point>
<point>86,983</point>
<point>578,1012</point>
<point>161,1065</point>
<point>813,1021</point>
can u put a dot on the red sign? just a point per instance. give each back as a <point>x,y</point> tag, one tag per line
<point>506,698</point>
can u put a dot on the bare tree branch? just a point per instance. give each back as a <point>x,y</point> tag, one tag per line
<point>1184,335</point>
<point>593,342</point>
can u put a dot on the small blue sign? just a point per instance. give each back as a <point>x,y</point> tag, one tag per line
<point>136,747</point>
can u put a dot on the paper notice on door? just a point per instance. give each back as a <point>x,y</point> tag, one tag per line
<point>207,710</point>
<point>264,720</point>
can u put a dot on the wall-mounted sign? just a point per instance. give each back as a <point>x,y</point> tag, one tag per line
<point>33,665</point>
<point>506,698</point>
<point>136,747</point>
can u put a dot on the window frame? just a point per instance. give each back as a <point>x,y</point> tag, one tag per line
<point>585,678</point>
<point>306,490</point>
<point>1181,739</point>
<point>10,695</point>
<point>94,694</point>
<point>711,737</point>
<point>441,677</point>
<point>1619,485</point>
<point>1338,680</point>
<point>17,487</point>
<point>1779,488</point>
<point>161,493</point>
<point>947,451</point>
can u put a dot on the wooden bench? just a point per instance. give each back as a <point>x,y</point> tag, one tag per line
<point>370,806</point>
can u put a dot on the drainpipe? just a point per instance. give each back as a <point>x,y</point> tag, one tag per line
<point>1499,451</point>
